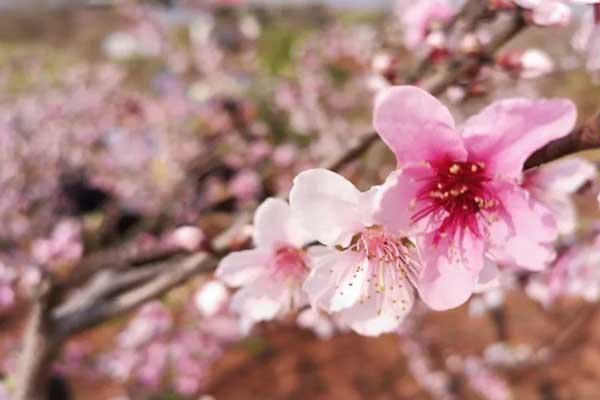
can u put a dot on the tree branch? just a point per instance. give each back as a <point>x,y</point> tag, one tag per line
<point>40,346</point>
<point>585,137</point>
<point>68,322</point>
<point>437,83</point>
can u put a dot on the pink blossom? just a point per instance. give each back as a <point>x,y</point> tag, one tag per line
<point>270,275</point>
<point>587,38</point>
<point>245,185</point>
<point>151,321</point>
<point>422,18</point>
<point>553,185</point>
<point>62,247</point>
<point>528,64</point>
<point>485,381</point>
<point>368,282</point>
<point>547,12</point>
<point>575,273</point>
<point>151,369</point>
<point>211,298</point>
<point>459,189</point>
<point>187,238</point>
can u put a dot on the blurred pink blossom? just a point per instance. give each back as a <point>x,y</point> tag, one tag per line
<point>555,183</point>
<point>245,185</point>
<point>270,275</point>
<point>422,19</point>
<point>64,245</point>
<point>151,321</point>
<point>211,298</point>
<point>547,12</point>
<point>575,273</point>
<point>586,39</point>
<point>527,64</point>
<point>188,238</point>
<point>485,381</point>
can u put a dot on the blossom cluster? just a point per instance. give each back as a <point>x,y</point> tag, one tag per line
<point>457,208</point>
<point>156,351</point>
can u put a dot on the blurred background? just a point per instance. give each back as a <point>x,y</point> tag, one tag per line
<point>157,123</point>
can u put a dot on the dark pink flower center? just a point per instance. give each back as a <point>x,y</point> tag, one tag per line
<point>454,197</point>
<point>289,263</point>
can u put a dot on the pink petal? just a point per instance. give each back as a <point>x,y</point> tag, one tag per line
<point>396,198</point>
<point>451,271</point>
<point>242,267</point>
<point>274,226</point>
<point>327,206</point>
<point>523,233</point>
<point>552,184</point>
<point>334,269</point>
<point>415,125</point>
<point>507,132</point>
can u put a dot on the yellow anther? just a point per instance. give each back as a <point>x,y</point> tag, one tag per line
<point>454,168</point>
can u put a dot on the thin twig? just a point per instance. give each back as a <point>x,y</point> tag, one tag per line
<point>75,321</point>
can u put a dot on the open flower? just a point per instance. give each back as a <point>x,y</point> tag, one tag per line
<point>461,188</point>
<point>553,185</point>
<point>364,273</point>
<point>271,274</point>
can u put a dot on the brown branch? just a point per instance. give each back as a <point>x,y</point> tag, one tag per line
<point>586,137</point>
<point>68,322</point>
<point>40,346</point>
<point>121,256</point>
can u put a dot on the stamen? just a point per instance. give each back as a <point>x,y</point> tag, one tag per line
<point>454,197</point>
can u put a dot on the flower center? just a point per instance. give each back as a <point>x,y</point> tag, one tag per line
<point>389,259</point>
<point>289,263</point>
<point>454,196</point>
<point>389,267</point>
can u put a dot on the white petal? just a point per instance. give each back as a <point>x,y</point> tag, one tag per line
<point>275,226</point>
<point>380,314</point>
<point>330,268</point>
<point>261,301</point>
<point>351,284</point>
<point>242,267</point>
<point>327,206</point>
